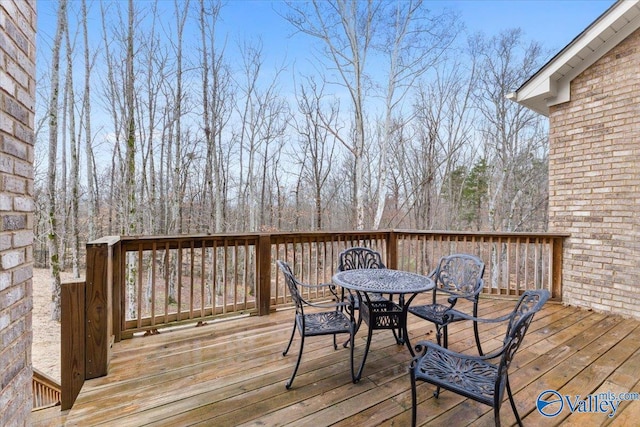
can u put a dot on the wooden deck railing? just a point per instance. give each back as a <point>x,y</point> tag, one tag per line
<point>46,391</point>
<point>160,281</point>
<point>141,284</point>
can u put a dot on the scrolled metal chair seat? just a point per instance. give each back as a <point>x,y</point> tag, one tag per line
<point>325,323</point>
<point>481,378</point>
<point>467,375</point>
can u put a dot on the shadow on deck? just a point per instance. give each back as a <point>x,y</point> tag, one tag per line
<point>233,373</point>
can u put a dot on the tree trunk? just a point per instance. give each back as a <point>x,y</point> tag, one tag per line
<point>92,208</point>
<point>53,150</point>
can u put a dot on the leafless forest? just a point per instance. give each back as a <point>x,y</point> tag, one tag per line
<point>151,120</point>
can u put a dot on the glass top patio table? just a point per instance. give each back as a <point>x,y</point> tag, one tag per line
<point>385,314</point>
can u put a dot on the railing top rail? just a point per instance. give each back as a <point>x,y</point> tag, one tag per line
<point>185,240</point>
<point>109,240</point>
<point>485,233</point>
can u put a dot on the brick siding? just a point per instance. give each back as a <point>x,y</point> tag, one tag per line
<point>17,100</point>
<point>594,183</point>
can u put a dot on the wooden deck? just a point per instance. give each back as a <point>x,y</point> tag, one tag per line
<point>233,373</point>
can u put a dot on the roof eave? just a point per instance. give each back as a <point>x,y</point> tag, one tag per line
<point>550,85</point>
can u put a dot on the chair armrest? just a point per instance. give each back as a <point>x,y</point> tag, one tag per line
<point>422,347</point>
<point>328,305</point>
<point>331,286</point>
<point>318,286</point>
<point>455,315</point>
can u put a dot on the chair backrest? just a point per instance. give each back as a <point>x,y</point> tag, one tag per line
<point>359,257</point>
<point>460,275</point>
<point>528,305</point>
<point>292,284</point>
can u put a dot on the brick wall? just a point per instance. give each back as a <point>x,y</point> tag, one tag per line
<point>17,92</point>
<point>594,183</point>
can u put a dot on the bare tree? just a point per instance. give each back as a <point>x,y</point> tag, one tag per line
<point>75,161</point>
<point>438,140</point>
<point>130,210</point>
<point>92,199</point>
<point>177,185</point>
<point>317,145</point>
<point>413,42</point>
<point>216,100</point>
<point>54,258</point>
<point>513,135</point>
<point>346,29</point>
<point>149,98</point>
<point>263,120</point>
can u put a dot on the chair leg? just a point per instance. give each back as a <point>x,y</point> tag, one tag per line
<point>414,399</point>
<point>406,340</point>
<point>439,334</point>
<point>357,377</point>
<point>477,336</point>
<point>513,403</point>
<point>446,336</point>
<point>346,343</point>
<point>475,330</point>
<point>352,345</point>
<point>293,332</point>
<point>295,370</point>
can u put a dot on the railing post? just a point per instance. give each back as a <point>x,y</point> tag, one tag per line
<point>556,284</point>
<point>264,274</point>
<point>392,250</point>
<point>98,310</point>
<point>72,342</point>
<point>114,276</point>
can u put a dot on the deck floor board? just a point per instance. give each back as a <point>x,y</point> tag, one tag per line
<point>233,372</point>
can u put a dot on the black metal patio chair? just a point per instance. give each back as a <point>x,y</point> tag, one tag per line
<point>335,318</point>
<point>480,378</point>
<point>456,276</point>
<point>359,257</point>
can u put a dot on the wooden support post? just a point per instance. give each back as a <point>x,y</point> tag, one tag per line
<point>392,250</point>
<point>114,277</point>
<point>556,274</point>
<point>72,342</point>
<point>98,311</point>
<point>264,274</point>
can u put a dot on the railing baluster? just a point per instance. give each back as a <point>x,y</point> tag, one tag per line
<point>154,254</point>
<point>139,287</point>
<point>166,282</point>
<point>245,276</point>
<point>203,252</point>
<point>191,278</point>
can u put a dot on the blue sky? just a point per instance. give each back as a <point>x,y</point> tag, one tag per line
<point>553,23</point>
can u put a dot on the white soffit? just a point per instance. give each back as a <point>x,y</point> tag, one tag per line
<point>551,84</point>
